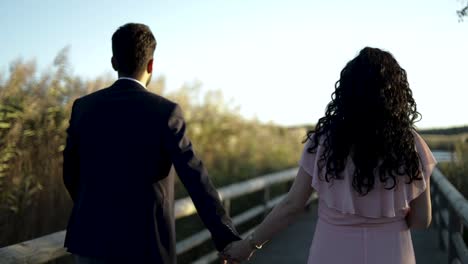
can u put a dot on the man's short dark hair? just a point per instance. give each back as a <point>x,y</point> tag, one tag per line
<point>133,46</point>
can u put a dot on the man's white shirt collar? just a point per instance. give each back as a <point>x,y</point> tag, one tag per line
<point>131,79</point>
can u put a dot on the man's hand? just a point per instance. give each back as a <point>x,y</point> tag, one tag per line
<point>237,252</point>
<point>225,258</point>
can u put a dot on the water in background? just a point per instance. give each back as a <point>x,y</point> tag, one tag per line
<point>443,156</point>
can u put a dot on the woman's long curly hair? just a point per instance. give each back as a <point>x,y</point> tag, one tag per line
<point>370,120</point>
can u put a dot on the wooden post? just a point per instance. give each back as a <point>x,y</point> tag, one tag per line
<point>435,223</point>
<point>441,205</point>
<point>266,199</point>
<point>455,226</point>
<point>436,212</point>
<point>227,206</point>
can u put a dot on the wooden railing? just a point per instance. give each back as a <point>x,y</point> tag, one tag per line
<point>450,216</point>
<point>50,247</point>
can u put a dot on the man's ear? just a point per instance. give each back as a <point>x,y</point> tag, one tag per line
<point>115,65</point>
<point>149,67</point>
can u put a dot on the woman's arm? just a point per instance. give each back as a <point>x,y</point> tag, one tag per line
<point>420,214</point>
<point>287,210</point>
<point>278,219</point>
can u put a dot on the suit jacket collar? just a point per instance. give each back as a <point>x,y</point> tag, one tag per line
<point>133,80</point>
<point>128,84</point>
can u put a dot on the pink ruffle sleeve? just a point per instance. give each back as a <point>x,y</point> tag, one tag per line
<point>341,196</point>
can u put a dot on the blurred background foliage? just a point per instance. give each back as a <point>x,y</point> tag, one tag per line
<point>454,140</point>
<point>457,172</point>
<point>34,111</point>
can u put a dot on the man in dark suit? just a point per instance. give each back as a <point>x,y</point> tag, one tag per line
<point>122,144</point>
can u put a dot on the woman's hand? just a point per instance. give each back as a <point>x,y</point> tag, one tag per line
<point>237,252</point>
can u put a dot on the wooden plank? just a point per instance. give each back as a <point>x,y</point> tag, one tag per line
<point>454,198</point>
<point>460,247</point>
<point>184,207</point>
<point>212,256</point>
<point>246,187</point>
<point>202,236</point>
<point>207,259</point>
<point>444,215</point>
<point>39,250</point>
<point>445,238</point>
<point>192,241</point>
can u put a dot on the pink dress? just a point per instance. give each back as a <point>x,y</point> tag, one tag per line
<point>368,229</point>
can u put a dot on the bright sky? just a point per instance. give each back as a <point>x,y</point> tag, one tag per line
<point>277,60</point>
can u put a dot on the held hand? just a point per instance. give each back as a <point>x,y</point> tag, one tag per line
<point>225,258</point>
<point>237,252</point>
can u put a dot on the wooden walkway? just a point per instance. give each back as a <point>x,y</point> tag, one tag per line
<point>292,245</point>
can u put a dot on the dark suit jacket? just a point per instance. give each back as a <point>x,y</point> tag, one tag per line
<point>121,145</point>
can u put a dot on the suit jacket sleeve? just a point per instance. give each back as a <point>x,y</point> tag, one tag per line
<point>70,157</point>
<point>195,178</point>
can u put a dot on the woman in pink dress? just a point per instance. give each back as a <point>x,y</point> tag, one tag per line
<point>369,167</point>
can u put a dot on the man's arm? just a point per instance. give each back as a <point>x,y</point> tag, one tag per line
<point>195,178</point>
<point>70,157</point>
